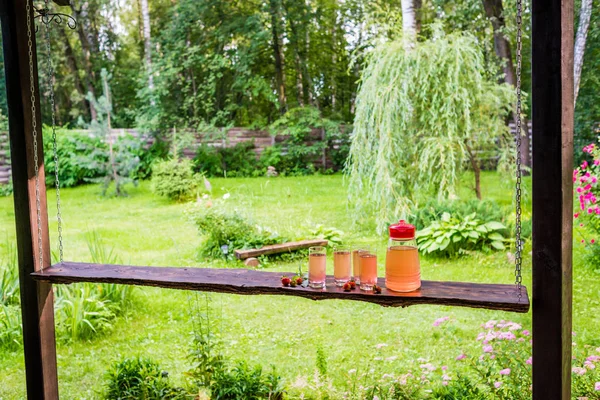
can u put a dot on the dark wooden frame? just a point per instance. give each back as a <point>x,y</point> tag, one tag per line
<point>552,99</point>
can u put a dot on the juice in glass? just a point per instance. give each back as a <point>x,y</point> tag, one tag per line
<point>356,263</point>
<point>342,265</point>
<point>368,270</point>
<point>317,264</point>
<point>402,267</point>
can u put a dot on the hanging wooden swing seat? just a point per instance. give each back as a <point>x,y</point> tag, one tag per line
<point>251,282</point>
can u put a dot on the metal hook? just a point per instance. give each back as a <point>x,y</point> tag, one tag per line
<point>48,17</point>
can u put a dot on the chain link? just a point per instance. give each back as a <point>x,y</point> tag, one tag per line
<point>38,202</point>
<point>50,73</point>
<point>519,173</point>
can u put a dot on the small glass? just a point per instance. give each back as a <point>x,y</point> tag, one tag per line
<point>317,265</point>
<point>342,265</point>
<point>356,263</point>
<point>368,270</point>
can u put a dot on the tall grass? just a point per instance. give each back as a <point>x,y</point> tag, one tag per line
<point>9,276</point>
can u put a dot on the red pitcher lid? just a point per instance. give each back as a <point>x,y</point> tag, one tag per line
<point>402,230</point>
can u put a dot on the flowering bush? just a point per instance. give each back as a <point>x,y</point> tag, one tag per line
<point>585,182</point>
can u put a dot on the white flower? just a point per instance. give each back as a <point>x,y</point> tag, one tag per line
<point>226,196</point>
<point>380,345</point>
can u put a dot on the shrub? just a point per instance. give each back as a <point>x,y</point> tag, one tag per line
<point>136,378</point>
<point>208,161</point>
<point>243,382</point>
<point>174,179</point>
<point>451,236</point>
<point>77,154</point>
<point>6,190</point>
<point>158,151</point>
<point>237,161</point>
<point>486,210</point>
<point>460,388</point>
<point>226,231</point>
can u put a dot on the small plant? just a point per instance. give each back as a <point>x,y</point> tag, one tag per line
<point>243,382</point>
<point>81,314</point>
<point>451,236</point>
<point>332,235</point>
<point>321,362</point>
<point>136,378</point>
<point>6,190</point>
<point>174,179</point>
<point>460,388</point>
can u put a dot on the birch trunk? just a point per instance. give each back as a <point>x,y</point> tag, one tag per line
<point>147,41</point>
<point>409,21</point>
<point>585,14</point>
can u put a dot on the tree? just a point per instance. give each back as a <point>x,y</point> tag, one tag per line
<point>147,41</point>
<point>585,14</point>
<point>277,45</point>
<point>418,114</point>
<point>410,20</point>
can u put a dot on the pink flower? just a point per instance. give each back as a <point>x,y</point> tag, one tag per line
<point>582,241</point>
<point>593,358</point>
<point>445,383</point>
<point>596,162</point>
<point>525,332</point>
<point>461,357</point>
<point>592,241</point>
<point>529,361</point>
<point>589,365</point>
<point>597,386</point>
<point>444,367</point>
<point>579,190</point>
<point>505,371</point>
<point>576,215</point>
<point>439,321</point>
<point>579,370</point>
<point>584,165</point>
<point>487,349</point>
<point>497,385</point>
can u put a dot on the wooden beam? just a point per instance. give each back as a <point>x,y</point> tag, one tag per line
<point>552,99</point>
<point>252,282</point>
<point>36,297</point>
<point>279,248</point>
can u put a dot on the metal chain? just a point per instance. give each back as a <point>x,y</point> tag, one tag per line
<point>518,241</point>
<point>50,73</point>
<point>38,202</point>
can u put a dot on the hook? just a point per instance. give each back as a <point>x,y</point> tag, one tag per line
<point>47,17</point>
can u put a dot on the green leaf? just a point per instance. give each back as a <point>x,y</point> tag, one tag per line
<point>495,236</point>
<point>498,245</point>
<point>495,226</point>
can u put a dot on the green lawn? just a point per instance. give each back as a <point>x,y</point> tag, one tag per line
<point>280,331</point>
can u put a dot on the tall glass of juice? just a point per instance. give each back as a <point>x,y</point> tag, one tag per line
<point>342,265</point>
<point>368,270</point>
<point>317,264</point>
<point>356,262</point>
<point>402,267</point>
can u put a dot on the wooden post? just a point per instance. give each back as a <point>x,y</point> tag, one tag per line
<point>552,99</point>
<point>36,298</point>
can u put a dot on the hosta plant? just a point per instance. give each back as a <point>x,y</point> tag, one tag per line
<point>451,236</point>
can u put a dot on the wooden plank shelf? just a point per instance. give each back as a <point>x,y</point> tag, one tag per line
<point>252,282</point>
<point>279,248</point>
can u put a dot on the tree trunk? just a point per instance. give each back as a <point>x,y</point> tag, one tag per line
<point>476,170</point>
<point>72,64</point>
<point>147,42</point>
<point>295,43</point>
<point>87,64</point>
<point>494,11</point>
<point>278,55</point>
<point>409,21</point>
<point>585,14</point>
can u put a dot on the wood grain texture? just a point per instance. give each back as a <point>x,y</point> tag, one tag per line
<point>36,297</point>
<point>252,282</point>
<point>279,248</point>
<point>552,115</point>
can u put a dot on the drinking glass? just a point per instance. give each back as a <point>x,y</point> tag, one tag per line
<point>356,262</point>
<point>368,269</point>
<point>342,265</point>
<point>317,264</point>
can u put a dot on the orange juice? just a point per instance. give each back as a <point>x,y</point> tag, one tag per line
<point>356,266</point>
<point>317,264</point>
<point>402,269</point>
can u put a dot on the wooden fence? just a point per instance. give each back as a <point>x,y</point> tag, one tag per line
<point>262,139</point>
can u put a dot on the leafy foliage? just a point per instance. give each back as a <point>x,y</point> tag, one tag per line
<point>9,276</point>
<point>174,179</point>
<point>10,328</point>
<point>417,112</point>
<point>332,235</point>
<point>486,210</point>
<point>140,379</point>
<point>243,382</point>
<point>225,231</point>
<point>237,161</point>
<point>452,236</point>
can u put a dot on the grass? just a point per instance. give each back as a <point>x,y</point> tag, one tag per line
<point>280,331</point>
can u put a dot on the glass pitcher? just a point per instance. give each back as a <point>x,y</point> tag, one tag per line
<point>402,267</point>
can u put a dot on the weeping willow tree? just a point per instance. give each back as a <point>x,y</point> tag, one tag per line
<point>421,115</point>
